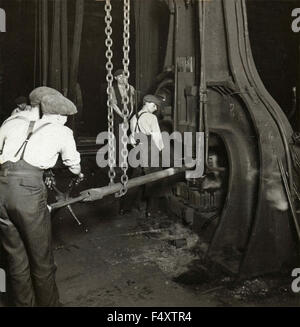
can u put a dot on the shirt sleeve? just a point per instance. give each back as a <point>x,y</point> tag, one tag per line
<point>156,133</point>
<point>1,141</point>
<point>69,154</point>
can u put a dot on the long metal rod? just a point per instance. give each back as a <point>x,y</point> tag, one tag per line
<point>95,194</point>
<point>99,193</point>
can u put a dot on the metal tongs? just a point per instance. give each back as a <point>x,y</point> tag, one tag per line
<point>64,196</point>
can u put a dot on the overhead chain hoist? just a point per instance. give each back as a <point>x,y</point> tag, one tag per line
<point>109,90</point>
<point>125,99</point>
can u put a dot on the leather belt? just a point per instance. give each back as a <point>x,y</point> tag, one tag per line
<point>26,173</point>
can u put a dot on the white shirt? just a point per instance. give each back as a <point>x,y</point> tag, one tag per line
<point>148,125</point>
<point>44,147</point>
<point>30,113</point>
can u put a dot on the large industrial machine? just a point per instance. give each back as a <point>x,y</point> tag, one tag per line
<point>244,205</point>
<point>213,86</point>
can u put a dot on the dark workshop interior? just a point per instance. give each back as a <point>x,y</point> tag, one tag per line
<point>203,245</point>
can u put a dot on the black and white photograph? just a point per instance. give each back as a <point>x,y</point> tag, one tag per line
<point>149,156</point>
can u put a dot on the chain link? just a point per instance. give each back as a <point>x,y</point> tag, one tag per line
<point>125,100</point>
<point>109,78</point>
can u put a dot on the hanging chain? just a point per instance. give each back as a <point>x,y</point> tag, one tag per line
<point>109,78</point>
<point>125,100</point>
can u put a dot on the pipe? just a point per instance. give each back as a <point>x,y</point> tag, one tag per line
<point>297,127</point>
<point>64,46</point>
<point>45,41</point>
<point>175,114</point>
<point>203,85</point>
<point>98,193</point>
<point>55,61</point>
<point>40,32</point>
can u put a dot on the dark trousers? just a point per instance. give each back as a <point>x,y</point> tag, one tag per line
<point>25,234</point>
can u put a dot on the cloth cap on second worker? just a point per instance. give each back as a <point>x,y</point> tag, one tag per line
<point>20,100</point>
<point>37,94</point>
<point>57,105</point>
<point>118,72</point>
<point>153,99</point>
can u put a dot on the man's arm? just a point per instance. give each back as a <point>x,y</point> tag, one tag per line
<point>156,133</point>
<point>132,100</point>
<point>114,104</point>
<point>117,110</point>
<point>2,139</point>
<point>69,154</point>
<point>133,122</point>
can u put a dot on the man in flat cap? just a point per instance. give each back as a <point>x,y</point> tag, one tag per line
<point>27,149</point>
<point>146,123</point>
<point>32,112</point>
<point>21,103</point>
<point>23,111</point>
<point>37,95</point>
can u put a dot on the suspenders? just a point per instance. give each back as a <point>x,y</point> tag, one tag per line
<point>138,116</point>
<point>30,133</point>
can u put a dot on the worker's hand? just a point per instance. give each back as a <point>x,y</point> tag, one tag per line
<point>50,180</point>
<point>132,140</point>
<point>79,178</point>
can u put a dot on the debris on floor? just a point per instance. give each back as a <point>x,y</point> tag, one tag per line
<point>134,260</point>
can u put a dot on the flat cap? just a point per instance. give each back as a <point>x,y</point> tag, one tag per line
<point>153,99</point>
<point>57,104</point>
<point>21,100</point>
<point>118,72</point>
<point>37,94</point>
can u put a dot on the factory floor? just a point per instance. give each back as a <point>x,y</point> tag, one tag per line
<point>130,260</point>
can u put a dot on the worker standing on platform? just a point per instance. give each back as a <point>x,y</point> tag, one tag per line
<point>27,149</point>
<point>146,122</point>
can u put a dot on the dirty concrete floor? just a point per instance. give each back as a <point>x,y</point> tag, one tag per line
<point>121,261</point>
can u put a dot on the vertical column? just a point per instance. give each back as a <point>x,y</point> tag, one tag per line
<point>76,48</point>
<point>45,50</point>
<point>64,46</point>
<point>55,60</point>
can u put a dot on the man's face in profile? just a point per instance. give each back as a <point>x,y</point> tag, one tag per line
<point>120,79</point>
